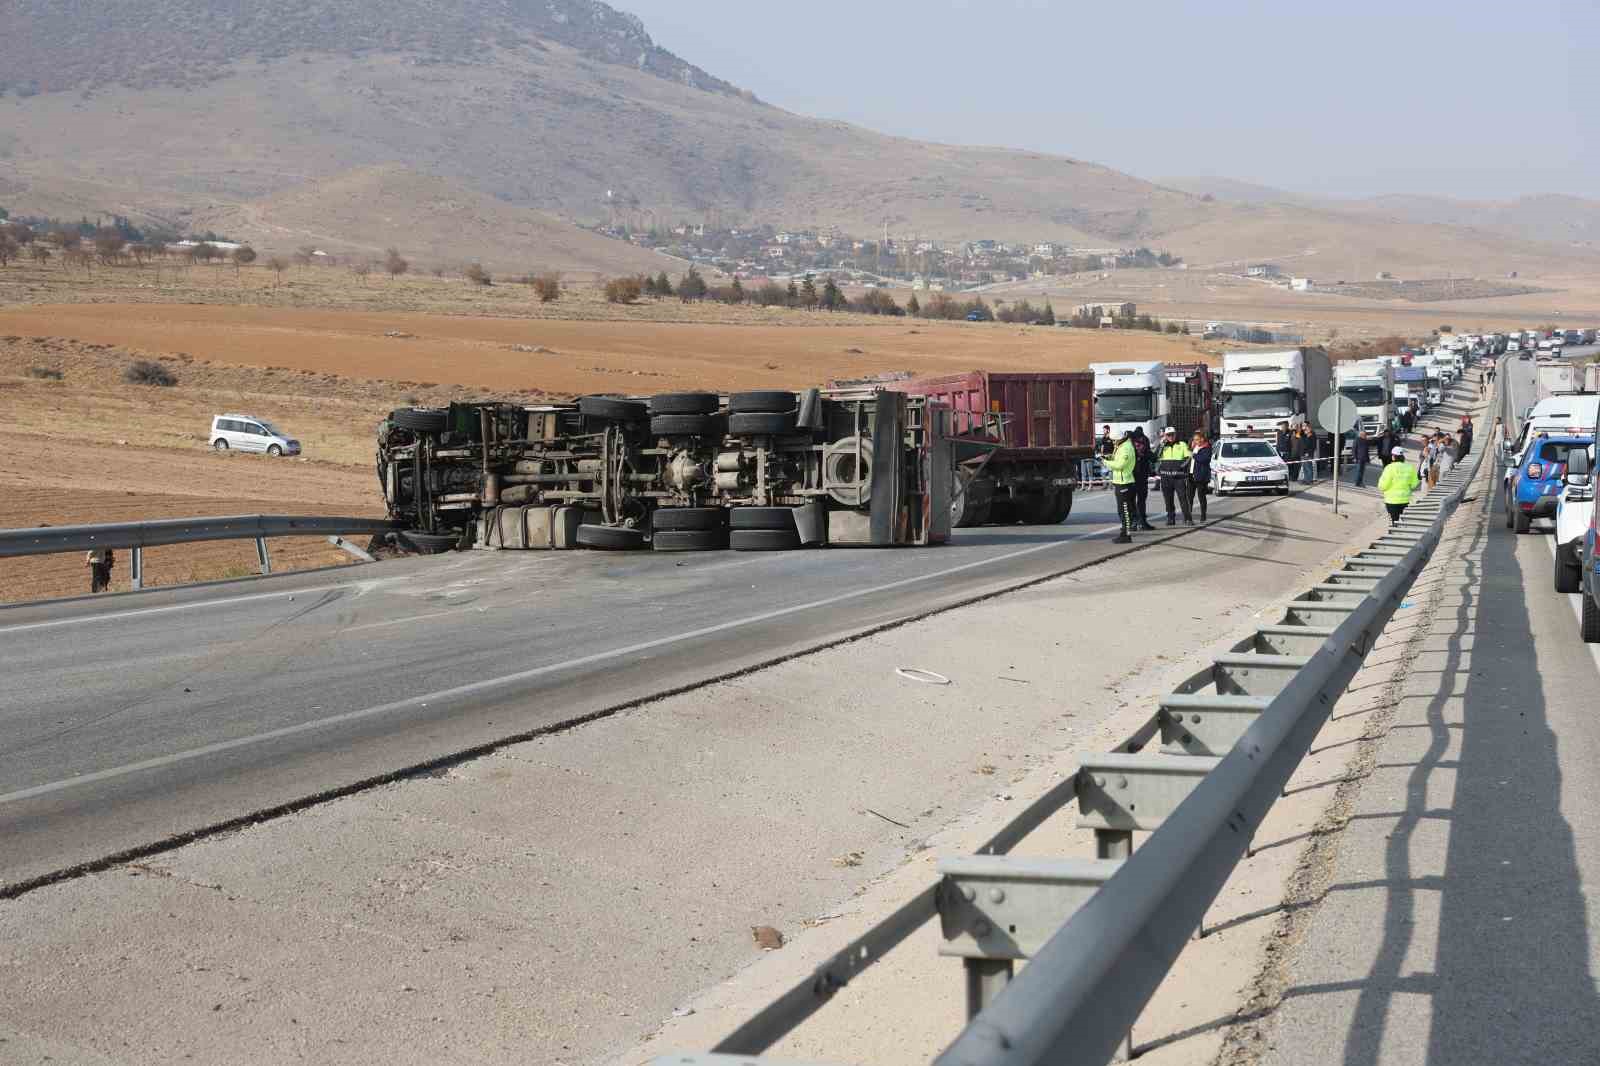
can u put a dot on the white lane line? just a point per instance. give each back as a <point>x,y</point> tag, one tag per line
<point>1575,601</point>
<point>490,684</point>
<point>141,612</point>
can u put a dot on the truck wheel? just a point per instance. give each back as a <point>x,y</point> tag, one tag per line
<point>780,519</point>
<point>1038,508</point>
<point>1569,575</point>
<point>689,540</point>
<point>1063,509</point>
<point>762,402</point>
<point>681,425</point>
<point>763,540</point>
<point>761,423</point>
<point>677,519</point>
<point>419,419</point>
<point>610,538</point>
<point>612,410</point>
<point>1002,511</point>
<point>1591,620</point>
<point>1524,521</point>
<point>684,403</point>
<point>429,543</point>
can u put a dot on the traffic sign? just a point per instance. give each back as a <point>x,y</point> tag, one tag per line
<point>1338,414</point>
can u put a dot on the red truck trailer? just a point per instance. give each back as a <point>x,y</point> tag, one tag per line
<point>1016,440</point>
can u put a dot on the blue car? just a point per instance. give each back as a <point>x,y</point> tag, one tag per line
<point>1533,487</point>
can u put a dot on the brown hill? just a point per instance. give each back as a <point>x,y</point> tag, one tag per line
<point>565,106</point>
<point>433,220</point>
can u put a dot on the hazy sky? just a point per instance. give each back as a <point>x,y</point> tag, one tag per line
<point>1355,97</point>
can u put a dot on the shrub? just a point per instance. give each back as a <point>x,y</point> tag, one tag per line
<point>145,372</point>
<point>548,286</point>
<point>45,373</point>
<point>623,290</point>
<point>478,276</point>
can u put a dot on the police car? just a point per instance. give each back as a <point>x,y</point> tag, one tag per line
<point>1247,464</point>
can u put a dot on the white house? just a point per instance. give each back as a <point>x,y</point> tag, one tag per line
<point>1301,284</point>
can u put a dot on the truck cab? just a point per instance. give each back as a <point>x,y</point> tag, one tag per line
<point>1262,389</point>
<point>1369,384</point>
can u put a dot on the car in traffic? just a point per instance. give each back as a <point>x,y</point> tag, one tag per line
<point>1247,464</point>
<point>1533,486</point>
<point>1574,510</point>
<point>247,433</point>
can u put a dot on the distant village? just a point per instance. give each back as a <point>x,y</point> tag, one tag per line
<point>765,253</point>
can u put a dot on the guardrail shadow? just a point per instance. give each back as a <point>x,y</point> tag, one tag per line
<point>1511,978</point>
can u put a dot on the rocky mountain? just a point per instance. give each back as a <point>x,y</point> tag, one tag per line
<point>186,109</point>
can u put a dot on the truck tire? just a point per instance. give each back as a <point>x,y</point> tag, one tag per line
<point>780,519</point>
<point>1590,627</point>
<point>419,419</point>
<point>1569,575</point>
<point>1002,511</point>
<point>1040,509</point>
<point>610,538</point>
<point>689,540</point>
<point>761,423</point>
<point>681,425</point>
<point>680,519</point>
<point>763,540</point>
<point>1524,521</point>
<point>612,410</point>
<point>1063,507</point>
<point>684,403</point>
<point>762,402</point>
<point>429,543</point>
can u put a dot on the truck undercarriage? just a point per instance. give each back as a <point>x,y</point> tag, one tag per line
<point>691,471</point>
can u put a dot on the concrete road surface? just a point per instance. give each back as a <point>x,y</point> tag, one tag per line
<point>1457,925</point>
<point>133,719</point>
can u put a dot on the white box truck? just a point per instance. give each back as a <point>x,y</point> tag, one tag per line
<point>1369,383</point>
<point>1262,389</point>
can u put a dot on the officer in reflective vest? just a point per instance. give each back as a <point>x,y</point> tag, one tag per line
<point>1172,464</point>
<point>1121,466</point>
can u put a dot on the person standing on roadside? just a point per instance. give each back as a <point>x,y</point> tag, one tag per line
<point>1398,481</point>
<point>1359,449</point>
<point>1284,442</point>
<point>1200,470</point>
<point>1446,458</point>
<point>1121,464</point>
<point>1144,464</point>
<point>1172,464</point>
<point>1299,449</point>
<point>1466,433</point>
<point>1105,447</point>
<point>100,561</point>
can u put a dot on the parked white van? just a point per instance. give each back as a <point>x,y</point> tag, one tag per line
<point>246,433</point>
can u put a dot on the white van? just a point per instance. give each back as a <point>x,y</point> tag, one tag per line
<point>246,433</point>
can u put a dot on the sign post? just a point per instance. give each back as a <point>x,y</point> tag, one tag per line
<point>1335,415</point>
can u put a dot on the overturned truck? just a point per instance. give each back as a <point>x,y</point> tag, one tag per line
<point>686,471</point>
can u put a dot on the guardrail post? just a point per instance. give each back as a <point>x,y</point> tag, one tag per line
<point>986,979</point>
<point>263,555</point>
<point>136,570</point>
<point>1116,844</point>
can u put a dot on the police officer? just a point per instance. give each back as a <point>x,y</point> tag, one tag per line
<point>1172,464</point>
<point>1121,464</point>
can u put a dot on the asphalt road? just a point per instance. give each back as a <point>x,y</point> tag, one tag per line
<point>133,719</point>
<point>1458,925</point>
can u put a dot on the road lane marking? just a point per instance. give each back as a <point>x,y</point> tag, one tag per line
<point>476,688</point>
<point>140,612</point>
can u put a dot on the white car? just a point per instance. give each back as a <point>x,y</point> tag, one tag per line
<point>1248,464</point>
<point>247,433</point>
<point>1574,510</point>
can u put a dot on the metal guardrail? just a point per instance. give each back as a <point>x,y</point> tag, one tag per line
<point>51,540</point>
<point>1100,934</point>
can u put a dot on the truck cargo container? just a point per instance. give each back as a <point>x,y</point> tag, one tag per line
<point>1266,388</point>
<point>1557,377</point>
<point>1017,439</point>
<point>690,471</point>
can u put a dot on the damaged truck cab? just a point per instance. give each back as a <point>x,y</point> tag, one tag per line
<point>693,471</point>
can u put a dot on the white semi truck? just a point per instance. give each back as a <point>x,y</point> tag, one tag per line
<point>1369,383</point>
<point>1262,389</point>
<point>1152,396</point>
